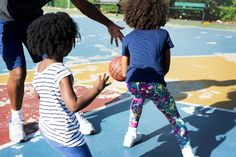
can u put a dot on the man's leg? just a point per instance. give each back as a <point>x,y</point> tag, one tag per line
<point>11,50</point>
<point>15,87</point>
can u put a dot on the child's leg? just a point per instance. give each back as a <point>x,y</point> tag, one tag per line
<point>136,105</point>
<point>136,108</point>
<point>168,108</point>
<point>166,104</point>
<point>79,151</point>
<point>131,136</point>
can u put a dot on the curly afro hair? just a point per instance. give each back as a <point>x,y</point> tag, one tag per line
<point>53,34</point>
<point>145,14</point>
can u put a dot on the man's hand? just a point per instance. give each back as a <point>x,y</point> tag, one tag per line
<point>115,33</point>
<point>92,12</point>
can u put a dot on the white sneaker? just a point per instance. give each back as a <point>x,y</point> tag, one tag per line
<point>130,139</point>
<point>16,132</point>
<point>86,127</point>
<point>187,151</point>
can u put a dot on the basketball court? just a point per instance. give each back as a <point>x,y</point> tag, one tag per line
<point>202,79</point>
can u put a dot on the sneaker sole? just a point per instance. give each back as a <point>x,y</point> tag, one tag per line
<point>140,138</point>
<point>89,133</point>
<point>24,139</point>
<point>19,141</point>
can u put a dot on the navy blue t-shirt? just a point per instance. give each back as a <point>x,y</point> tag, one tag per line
<point>145,49</point>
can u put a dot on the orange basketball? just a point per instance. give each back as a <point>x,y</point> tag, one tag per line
<point>115,69</point>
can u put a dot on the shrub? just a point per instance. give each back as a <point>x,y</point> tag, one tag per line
<point>61,3</point>
<point>227,13</point>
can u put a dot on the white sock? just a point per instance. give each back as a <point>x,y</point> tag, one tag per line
<point>187,151</point>
<point>132,131</point>
<point>16,115</point>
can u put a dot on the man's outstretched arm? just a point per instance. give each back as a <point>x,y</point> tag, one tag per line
<point>92,12</point>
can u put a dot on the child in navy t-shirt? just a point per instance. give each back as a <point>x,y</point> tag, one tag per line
<point>145,62</point>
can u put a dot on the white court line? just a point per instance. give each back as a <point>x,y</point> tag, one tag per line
<point>87,113</point>
<point>107,106</point>
<point>181,102</point>
<point>199,27</point>
<point>199,105</point>
<point>192,56</point>
<point>120,101</point>
<point>218,54</point>
<point>9,144</point>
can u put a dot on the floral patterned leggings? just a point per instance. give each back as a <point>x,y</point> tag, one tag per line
<point>163,101</point>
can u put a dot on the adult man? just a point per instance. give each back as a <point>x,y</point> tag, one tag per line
<point>15,17</point>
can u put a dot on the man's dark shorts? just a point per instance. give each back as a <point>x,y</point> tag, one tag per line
<point>12,38</point>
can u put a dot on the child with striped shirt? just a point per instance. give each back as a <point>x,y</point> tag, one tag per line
<point>53,35</point>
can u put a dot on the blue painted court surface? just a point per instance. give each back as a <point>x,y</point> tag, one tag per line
<point>212,128</point>
<point>211,135</point>
<point>189,41</point>
<point>212,132</point>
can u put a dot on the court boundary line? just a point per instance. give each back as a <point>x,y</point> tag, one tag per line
<point>190,26</point>
<point>117,102</point>
<point>181,102</point>
<point>86,114</point>
<point>216,54</point>
<point>168,24</point>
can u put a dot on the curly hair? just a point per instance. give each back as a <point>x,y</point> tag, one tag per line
<point>145,14</point>
<point>53,34</point>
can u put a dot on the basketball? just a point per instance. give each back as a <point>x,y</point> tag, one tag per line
<point>115,69</point>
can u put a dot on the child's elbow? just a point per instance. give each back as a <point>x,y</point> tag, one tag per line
<point>72,109</point>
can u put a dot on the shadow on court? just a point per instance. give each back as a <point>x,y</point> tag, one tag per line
<point>212,131</point>
<point>179,89</point>
<point>208,130</point>
<point>99,116</point>
<point>31,129</point>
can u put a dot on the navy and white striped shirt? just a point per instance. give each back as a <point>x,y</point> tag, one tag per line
<point>56,122</point>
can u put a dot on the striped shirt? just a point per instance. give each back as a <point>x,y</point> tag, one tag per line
<point>56,122</point>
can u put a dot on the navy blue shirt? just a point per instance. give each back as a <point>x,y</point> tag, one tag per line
<point>145,50</point>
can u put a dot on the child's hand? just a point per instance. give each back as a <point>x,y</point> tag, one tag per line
<point>101,82</point>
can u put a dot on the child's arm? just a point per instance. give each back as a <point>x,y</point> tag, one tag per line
<point>36,94</point>
<point>124,63</point>
<point>166,61</point>
<point>75,103</point>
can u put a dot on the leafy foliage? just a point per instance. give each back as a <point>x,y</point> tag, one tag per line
<point>224,10</point>
<point>218,9</point>
<point>227,13</point>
